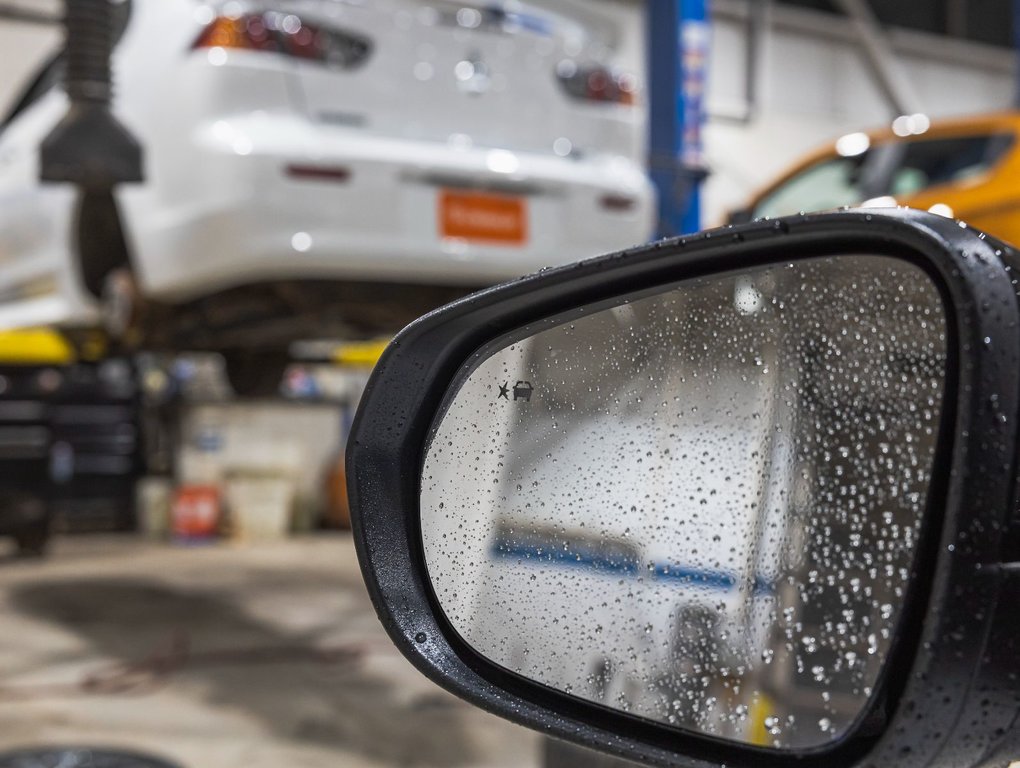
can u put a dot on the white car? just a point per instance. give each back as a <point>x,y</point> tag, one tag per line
<point>362,161</point>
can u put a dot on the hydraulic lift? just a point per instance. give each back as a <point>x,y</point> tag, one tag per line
<point>678,35</point>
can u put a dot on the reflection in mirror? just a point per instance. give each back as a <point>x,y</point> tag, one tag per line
<point>699,506</point>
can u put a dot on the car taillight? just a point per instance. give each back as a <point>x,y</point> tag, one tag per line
<point>285,33</point>
<point>597,83</point>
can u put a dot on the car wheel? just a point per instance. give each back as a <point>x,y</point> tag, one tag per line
<point>101,244</point>
<point>256,373</point>
<point>32,542</point>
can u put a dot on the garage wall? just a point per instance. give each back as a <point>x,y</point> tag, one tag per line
<point>300,442</point>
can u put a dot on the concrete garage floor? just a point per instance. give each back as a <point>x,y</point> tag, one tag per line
<point>223,656</point>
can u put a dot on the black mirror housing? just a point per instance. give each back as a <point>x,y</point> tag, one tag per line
<point>949,693</point>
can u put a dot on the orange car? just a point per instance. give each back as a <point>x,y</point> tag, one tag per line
<point>967,168</point>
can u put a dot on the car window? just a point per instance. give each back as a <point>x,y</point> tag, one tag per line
<point>897,168</point>
<point>830,183</point>
<point>929,162</point>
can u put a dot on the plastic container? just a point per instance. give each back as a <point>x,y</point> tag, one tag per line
<point>154,502</point>
<point>196,513</point>
<point>260,507</point>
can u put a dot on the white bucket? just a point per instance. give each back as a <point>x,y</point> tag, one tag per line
<point>260,507</point>
<point>153,502</point>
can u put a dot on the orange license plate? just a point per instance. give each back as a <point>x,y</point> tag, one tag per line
<point>477,216</point>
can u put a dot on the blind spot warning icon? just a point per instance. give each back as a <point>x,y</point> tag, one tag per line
<point>523,390</point>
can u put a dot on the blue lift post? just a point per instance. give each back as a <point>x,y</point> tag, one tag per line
<point>1016,51</point>
<point>677,38</point>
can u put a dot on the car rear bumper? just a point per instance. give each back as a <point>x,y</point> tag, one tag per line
<point>274,196</point>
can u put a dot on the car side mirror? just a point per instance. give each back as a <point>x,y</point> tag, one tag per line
<point>742,499</point>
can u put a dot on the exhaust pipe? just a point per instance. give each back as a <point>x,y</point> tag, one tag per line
<point>89,147</point>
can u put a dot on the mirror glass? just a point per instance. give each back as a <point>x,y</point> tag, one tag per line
<point>699,505</point>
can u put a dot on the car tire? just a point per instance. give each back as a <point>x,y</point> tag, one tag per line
<point>102,247</point>
<point>32,542</point>
<point>255,373</point>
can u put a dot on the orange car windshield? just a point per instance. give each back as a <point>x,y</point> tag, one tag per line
<point>898,169</point>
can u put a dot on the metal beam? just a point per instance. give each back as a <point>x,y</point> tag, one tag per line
<point>923,46</point>
<point>878,53</point>
<point>24,15</point>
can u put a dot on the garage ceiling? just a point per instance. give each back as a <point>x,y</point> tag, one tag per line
<point>986,21</point>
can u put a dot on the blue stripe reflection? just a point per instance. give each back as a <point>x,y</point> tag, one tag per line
<point>584,559</point>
